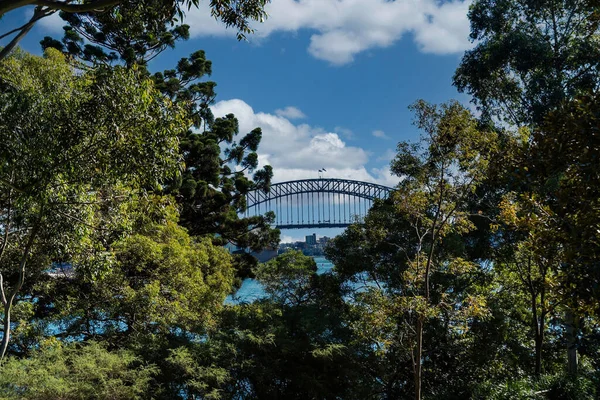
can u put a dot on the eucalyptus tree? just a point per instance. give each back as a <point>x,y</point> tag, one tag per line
<point>407,251</point>
<point>535,65</point>
<point>72,144</point>
<point>529,56</point>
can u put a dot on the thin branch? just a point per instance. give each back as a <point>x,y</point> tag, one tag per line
<point>81,221</point>
<point>95,6</point>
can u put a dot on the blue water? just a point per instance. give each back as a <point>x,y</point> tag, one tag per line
<point>252,290</point>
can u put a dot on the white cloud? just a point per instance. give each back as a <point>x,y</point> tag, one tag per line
<point>290,239</point>
<point>345,132</point>
<point>387,156</point>
<point>380,134</point>
<point>385,177</point>
<point>290,113</point>
<point>341,29</point>
<point>299,151</point>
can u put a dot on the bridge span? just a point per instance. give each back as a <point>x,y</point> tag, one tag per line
<point>316,203</point>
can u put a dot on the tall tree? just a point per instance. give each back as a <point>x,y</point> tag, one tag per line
<point>408,253</point>
<point>67,139</point>
<point>534,61</point>
<point>530,56</point>
<point>213,186</point>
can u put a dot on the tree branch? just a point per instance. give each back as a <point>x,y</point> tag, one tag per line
<point>4,243</point>
<point>95,6</point>
<point>38,14</point>
<point>18,286</point>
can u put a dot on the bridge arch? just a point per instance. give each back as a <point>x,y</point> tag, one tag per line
<point>316,203</point>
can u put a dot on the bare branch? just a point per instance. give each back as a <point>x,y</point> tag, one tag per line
<point>38,14</point>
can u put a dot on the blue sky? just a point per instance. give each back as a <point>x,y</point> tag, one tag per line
<point>328,81</point>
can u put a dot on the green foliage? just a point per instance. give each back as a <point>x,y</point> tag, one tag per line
<point>567,189</point>
<point>279,347</point>
<point>74,146</point>
<point>160,282</point>
<point>455,287</point>
<point>548,387</point>
<point>131,30</point>
<point>408,251</point>
<point>215,181</point>
<point>530,55</point>
<point>107,126</point>
<point>535,66</point>
<point>75,371</point>
<point>287,278</point>
<point>214,184</point>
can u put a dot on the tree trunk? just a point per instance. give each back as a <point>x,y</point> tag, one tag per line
<point>539,340</point>
<point>539,326</point>
<point>13,43</point>
<point>418,355</point>
<point>6,335</point>
<point>571,343</point>
<point>11,298</point>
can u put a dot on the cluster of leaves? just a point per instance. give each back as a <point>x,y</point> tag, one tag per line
<point>212,187</point>
<point>124,29</point>
<point>57,371</point>
<point>98,164</point>
<point>478,278</point>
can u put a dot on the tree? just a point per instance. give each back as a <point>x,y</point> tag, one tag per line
<point>407,251</point>
<point>131,28</point>
<point>155,293</point>
<point>212,189</point>
<point>530,56</point>
<point>68,140</point>
<point>531,264</point>
<point>567,190</point>
<point>535,63</point>
<point>155,282</point>
<point>75,371</point>
<point>295,343</point>
<point>287,278</point>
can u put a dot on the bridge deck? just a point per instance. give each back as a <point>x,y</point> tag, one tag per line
<point>321,225</point>
<point>316,203</point>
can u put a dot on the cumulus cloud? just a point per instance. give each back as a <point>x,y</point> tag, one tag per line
<point>380,134</point>
<point>341,29</point>
<point>290,239</point>
<point>298,151</point>
<point>290,113</point>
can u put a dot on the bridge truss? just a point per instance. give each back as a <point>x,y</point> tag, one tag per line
<point>316,203</point>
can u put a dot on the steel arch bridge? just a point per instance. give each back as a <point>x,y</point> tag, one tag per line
<point>316,203</point>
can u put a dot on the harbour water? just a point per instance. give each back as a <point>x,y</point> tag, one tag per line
<point>252,290</point>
